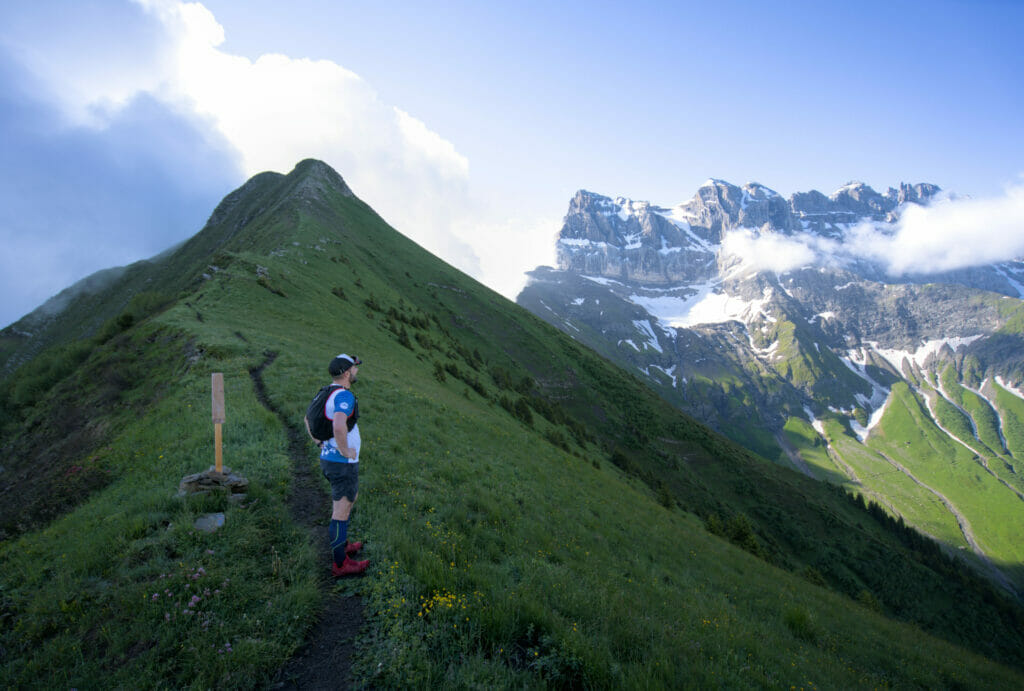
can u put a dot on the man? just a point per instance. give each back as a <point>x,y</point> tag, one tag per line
<point>339,461</point>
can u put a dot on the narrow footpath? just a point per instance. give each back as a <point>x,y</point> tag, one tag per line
<point>324,660</point>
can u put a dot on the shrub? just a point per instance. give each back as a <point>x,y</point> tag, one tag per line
<point>800,624</point>
<point>521,409</point>
<point>403,338</point>
<point>866,598</point>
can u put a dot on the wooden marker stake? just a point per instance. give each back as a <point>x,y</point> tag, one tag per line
<point>217,385</point>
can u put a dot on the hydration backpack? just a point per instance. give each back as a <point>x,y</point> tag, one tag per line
<point>317,422</point>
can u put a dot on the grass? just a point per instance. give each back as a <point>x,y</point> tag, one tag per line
<point>909,436</point>
<point>883,483</point>
<point>563,547</point>
<point>812,449</point>
<point>1011,409</point>
<point>123,592</point>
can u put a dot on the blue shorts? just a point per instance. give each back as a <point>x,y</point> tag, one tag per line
<point>344,479</point>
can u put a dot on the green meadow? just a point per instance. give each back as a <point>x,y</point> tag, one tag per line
<point>535,516</point>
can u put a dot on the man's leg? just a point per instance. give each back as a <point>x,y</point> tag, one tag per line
<point>341,509</point>
<point>341,548</point>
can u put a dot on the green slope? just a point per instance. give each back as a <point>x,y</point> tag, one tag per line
<point>535,515</point>
<point>908,435</point>
<point>1011,410</point>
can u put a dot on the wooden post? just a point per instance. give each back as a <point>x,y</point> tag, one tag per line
<point>217,385</point>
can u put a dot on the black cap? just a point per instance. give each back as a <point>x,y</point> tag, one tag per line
<point>340,364</point>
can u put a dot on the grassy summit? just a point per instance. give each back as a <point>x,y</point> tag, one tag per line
<point>535,516</point>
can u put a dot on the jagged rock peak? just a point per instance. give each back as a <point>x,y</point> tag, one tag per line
<point>719,204</point>
<point>919,193</point>
<point>584,199</point>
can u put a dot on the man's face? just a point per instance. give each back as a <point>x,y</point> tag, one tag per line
<point>352,372</point>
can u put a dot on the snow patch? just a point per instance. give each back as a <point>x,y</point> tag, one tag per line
<point>861,431</point>
<point>856,360</point>
<point>652,339</point>
<point>680,218</point>
<point>670,373</point>
<point>924,351</point>
<point>1011,389</point>
<point>706,306</point>
<point>668,249</point>
<point>632,242</point>
<point>817,424</point>
<point>582,242</point>
<point>601,280</point>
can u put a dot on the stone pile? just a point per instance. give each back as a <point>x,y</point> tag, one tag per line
<point>210,481</point>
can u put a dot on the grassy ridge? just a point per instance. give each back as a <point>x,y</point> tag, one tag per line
<point>887,485</point>
<point>908,436</point>
<point>535,516</point>
<point>1011,409</point>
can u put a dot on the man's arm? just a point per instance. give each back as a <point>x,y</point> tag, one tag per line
<point>341,435</point>
<point>310,433</point>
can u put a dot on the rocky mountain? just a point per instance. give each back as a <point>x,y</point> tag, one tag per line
<point>908,389</point>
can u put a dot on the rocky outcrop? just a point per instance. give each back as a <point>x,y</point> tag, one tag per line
<point>637,241</point>
<point>629,240</point>
<point>651,286</point>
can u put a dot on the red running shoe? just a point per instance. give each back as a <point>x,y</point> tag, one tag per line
<point>349,568</point>
<point>352,547</point>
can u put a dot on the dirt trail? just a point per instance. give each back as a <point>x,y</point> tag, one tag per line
<point>324,660</point>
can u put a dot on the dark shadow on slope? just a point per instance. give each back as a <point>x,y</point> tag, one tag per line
<point>59,411</point>
<point>325,659</point>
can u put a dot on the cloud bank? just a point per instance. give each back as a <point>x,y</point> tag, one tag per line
<point>130,73</point>
<point>75,200</point>
<point>949,234</point>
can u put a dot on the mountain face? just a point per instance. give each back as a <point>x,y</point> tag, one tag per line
<point>890,387</point>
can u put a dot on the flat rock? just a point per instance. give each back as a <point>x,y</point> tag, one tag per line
<point>209,522</point>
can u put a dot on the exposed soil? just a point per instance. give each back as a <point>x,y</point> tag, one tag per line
<point>324,660</point>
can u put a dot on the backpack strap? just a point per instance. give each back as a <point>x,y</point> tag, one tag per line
<point>331,388</point>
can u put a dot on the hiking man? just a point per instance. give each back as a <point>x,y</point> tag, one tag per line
<point>339,461</point>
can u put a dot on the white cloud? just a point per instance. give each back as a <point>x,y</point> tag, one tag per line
<point>277,110</point>
<point>950,233</point>
<point>774,251</point>
<point>508,249</point>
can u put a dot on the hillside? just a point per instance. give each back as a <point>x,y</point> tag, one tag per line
<point>535,515</point>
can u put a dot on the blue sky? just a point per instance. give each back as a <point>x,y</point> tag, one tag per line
<point>469,125</point>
